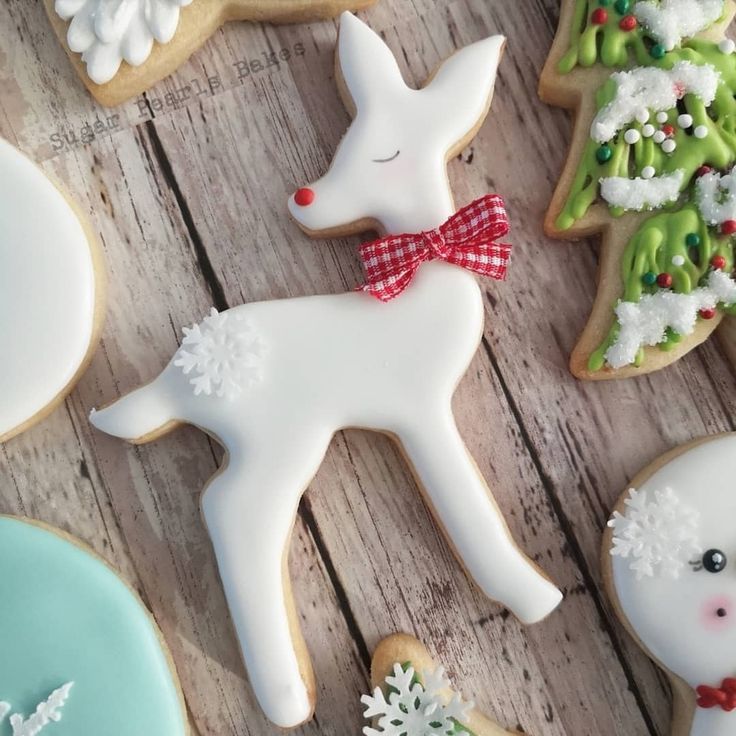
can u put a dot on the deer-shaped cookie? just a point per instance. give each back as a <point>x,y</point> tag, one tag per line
<point>273,381</point>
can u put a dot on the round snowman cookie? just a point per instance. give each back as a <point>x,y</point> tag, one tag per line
<point>669,559</point>
<point>51,295</point>
<point>79,654</point>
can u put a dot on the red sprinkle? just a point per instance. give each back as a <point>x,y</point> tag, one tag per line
<point>728,227</point>
<point>664,280</point>
<point>719,262</point>
<point>703,170</point>
<point>708,313</point>
<point>599,16</point>
<point>627,23</point>
<point>304,196</point>
<point>668,129</point>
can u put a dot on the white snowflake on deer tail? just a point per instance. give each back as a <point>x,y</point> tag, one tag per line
<point>49,711</point>
<point>660,535</point>
<point>414,708</point>
<point>224,354</point>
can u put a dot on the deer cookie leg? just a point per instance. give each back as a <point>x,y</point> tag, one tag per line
<point>463,504</point>
<point>249,509</point>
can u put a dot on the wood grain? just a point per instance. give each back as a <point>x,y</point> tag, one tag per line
<point>186,187</point>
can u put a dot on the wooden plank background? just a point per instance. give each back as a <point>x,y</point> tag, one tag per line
<point>187,189</point>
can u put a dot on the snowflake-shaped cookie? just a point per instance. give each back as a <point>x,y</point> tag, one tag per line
<point>224,354</point>
<point>416,709</point>
<point>659,534</point>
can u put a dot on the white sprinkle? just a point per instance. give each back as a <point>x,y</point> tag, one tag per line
<point>727,46</point>
<point>659,136</point>
<point>643,115</point>
<point>669,146</point>
<point>648,172</point>
<point>678,260</point>
<point>701,131</point>
<point>632,136</point>
<point>648,130</point>
<point>662,117</point>
<point>684,121</point>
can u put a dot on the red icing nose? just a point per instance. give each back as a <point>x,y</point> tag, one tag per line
<point>304,196</point>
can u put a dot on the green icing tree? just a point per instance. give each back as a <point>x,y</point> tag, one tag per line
<point>675,251</point>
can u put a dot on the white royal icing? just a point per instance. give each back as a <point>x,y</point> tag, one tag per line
<point>108,32</point>
<point>649,88</point>
<point>47,290</point>
<point>669,21</point>
<point>715,196</point>
<point>349,360</point>
<point>48,711</point>
<point>645,322</point>
<point>656,531</point>
<point>415,708</point>
<point>642,193</point>
<point>689,623</point>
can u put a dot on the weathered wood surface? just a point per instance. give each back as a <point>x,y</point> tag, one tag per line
<point>187,189</point>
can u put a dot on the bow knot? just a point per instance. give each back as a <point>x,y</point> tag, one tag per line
<point>467,240</point>
<point>723,697</point>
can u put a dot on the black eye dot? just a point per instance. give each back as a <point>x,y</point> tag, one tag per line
<point>714,560</point>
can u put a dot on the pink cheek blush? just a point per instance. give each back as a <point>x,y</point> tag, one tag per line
<point>718,613</point>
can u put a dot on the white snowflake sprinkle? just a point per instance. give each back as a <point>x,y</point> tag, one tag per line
<point>415,709</point>
<point>660,535</point>
<point>224,354</point>
<point>4,710</point>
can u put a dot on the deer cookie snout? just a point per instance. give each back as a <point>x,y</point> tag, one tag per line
<point>304,196</point>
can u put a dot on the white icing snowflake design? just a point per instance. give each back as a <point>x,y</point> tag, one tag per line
<point>415,709</point>
<point>106,32</point>
<point>48,711</point>
<point>224,354</point>
<point>659,534</point>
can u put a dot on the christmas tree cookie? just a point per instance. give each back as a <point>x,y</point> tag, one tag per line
<point>413,697</point>
<point>652,85</point>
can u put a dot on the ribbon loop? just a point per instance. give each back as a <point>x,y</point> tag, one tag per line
<point>467,240</point>
<point>723,697</point>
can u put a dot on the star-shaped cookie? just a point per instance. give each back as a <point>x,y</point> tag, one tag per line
<point>120,48</point>
<point>412,696</point>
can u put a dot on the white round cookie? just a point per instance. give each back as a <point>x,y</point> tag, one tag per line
<point>50,299</point>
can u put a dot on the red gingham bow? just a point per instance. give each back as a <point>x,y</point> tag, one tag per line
<point>718,697</point>
<point>466,240</point>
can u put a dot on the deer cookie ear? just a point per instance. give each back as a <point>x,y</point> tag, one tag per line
<point>463,85</point>
<point>369,69</point>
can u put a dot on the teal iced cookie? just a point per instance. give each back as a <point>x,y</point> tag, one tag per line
<point>79,652</point>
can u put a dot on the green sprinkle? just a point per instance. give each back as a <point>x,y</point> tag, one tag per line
<point>604,3</point>
<point>622,6</point>
<point>692,240</point>
<point>657,51</point>
<point>649,278</point>
<point>603,154</point>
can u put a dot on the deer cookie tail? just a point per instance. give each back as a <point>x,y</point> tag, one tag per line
<point>138,417</point>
